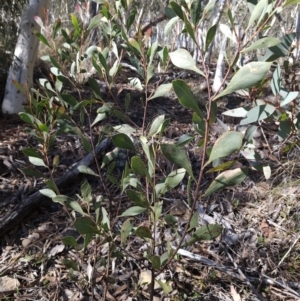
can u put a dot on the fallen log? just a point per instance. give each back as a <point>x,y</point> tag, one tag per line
<point>24,209</point>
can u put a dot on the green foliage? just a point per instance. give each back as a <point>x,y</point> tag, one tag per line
<point>52,109</point>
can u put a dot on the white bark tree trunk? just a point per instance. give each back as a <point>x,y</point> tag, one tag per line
<point>25,56</point>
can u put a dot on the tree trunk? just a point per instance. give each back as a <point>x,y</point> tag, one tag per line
<point>25,54</point>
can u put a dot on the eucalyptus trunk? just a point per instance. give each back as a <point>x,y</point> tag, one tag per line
<point>25,54</point>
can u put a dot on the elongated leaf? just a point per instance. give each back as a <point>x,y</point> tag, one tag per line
<point>139,167</point>
<point>86,225</point>
<point>125,230</point>
<point>155,260</point>
<point>210,35</point>
<point>262,43</point>
<point>143,232</point>
<point>149,154</point>
<point>162,90</point>
<point>48,192</point>
<point>228,33</point>
<point>37,161</point>
<point>133,211</point>
<point>290,96</point>
<point>196,12</point>
<point>238,112</point>
<point>280,50</point>
<point>248,76</point>
<point>123,141</point>
<point>257,12</point>
<point>177,9</point>
<point>156,125</point>
<point>177,156</point>
<point>181,58</point>
<point>258,113</point>
<point>186,97</point>
<point>227,178</point>
<point>27,117</point>
<point>31,152</point>
<point>171,181</point>
<point>206,232</point>
<point>170,25</point>
<point>85,169</point>
<point>135,44</point>
<point>138,198</point>
<point>227,144</point>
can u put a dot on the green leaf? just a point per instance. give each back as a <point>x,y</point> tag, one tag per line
<point>138,198</point>
<point>288,97</point>
<point>194,221</point>
<point>48,192</point>
<point>130,19</point>
<point>225,145</point>
<point>285,129</point>
<point>177,9</point>
<point>32,172</point>
<point>258,113</point>
<point>281,50</point>
<point>70,241</point>
<point>143,232</point>
<point>155,260</point>
<point>257,12</point>
<point>42,38</point>
<point>206,232</point>
<point>86,192</point>
<point>177,156</point>
<point>51,185</point>
<point>139,167</point>
<point>262,44</point>
<point>291,2</point>
<point>148,150</point>
<point>196,12</point>
<point>162,90</point>
<point>186,97</point>
<point>75,23</point>
<point>125,230</point>
<point>210,35</point>
<point>169,12</point>
<point>171,181</point>
<point>86,225</point>
<point>105,220</point>
<point>184,139</point>
<point>135,45</point>
<point>31,152</point>
<point>238,112</point>
<point>181,58</point>
<point>43,127</point>
<point>199,124</point>
<point>133,211</point>
<point>123,141</point>
<point>170,25</point>
<point>171,220</point>
<point>247,77</point>
<point>86,170</point>
<point>37,161</point>
<point>189,29</point>
<point>95,22</point>
<point>167,288</point>
<point>227,178</point>
<point>221,167</point>
<point>156,125</point>
<point>62,199</point>
<point>74,205</point>
<point>28,118</point>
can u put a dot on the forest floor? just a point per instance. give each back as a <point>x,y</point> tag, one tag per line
<point>255,258</point>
